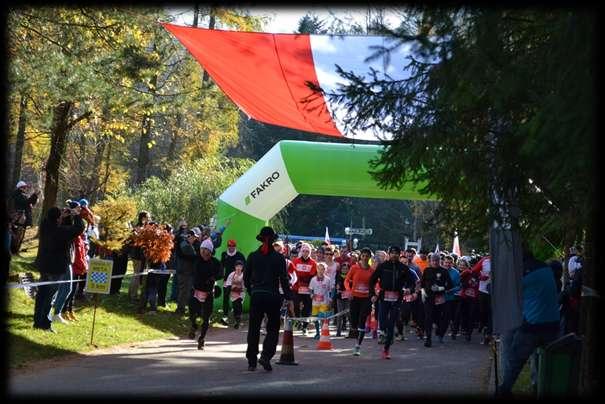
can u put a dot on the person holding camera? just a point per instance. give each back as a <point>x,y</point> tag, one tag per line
<point>188,246</point>
<point>54,258</point>
<point>21,216</point>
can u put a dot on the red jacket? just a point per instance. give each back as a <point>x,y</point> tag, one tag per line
<point>80,265</point>
<point>305,270</point>
<point>469,284</point>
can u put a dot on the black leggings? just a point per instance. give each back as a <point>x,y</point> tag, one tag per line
<point>199,309</point>
<point>360,309</point>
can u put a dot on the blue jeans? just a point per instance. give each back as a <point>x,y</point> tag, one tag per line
<point>63,291</point>
<point>390,315</point>
<point>517,346</point>
<point>44,298</point>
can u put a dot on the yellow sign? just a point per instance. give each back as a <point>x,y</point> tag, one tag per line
<point>98,279</point>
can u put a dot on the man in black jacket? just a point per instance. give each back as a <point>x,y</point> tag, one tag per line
<point>54,258</point>
<point>396,279</point>
<point>435,281</point>
<point>228,260</point>
<point>264,273</point>
<point>207,271</point>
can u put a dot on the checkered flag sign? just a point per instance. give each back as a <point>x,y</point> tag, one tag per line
<point>98,277</point>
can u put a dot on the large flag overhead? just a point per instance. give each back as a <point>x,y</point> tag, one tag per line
<point>266,75</point>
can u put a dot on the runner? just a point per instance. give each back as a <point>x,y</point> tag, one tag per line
<point>305,268</point>
<point>358,282</point>
<point>395,279</point>
<point>321,293</point>
<point>435,281</point>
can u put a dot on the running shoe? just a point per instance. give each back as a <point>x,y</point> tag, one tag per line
<point>357,350</point>
<point>428,343</point>
<point>386,355</point>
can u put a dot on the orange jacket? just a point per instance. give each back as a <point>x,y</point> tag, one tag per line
<point>360,279</point>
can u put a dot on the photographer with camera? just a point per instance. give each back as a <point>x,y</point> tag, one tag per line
<point>21,214</point>
<point>54,257</point>
<point>188,247</point>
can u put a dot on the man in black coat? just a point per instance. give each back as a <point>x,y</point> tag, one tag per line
<point>54,258</point>
<point>435,282</point>
<point>265,271</point>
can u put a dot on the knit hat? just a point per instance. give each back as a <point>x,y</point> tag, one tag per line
<point>207,244</point>
<point>197,231</point>
<point>21,184</point>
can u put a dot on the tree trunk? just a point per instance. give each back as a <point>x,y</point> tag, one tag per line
<point>107,167</point>
<point>143,160</point>
<point>18,156</point>
<point>95,188</point>
<point>205,76</point>
<point>60,128</point>
<point>589,375</point>
<point>174,138</point>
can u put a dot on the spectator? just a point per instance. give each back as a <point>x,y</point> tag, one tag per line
<point>21,214</point>
<point>571,294</point>
<point>138,260</point>
<point>66,288</point>
<point>188,247</point>
<point>53,258</point>
<point>540,320</point>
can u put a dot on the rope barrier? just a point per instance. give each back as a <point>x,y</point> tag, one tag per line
<point>13,285</point>
<point>315,318</point>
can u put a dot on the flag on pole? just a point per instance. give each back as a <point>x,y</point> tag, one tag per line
<point>327,236</point>
<point>456,247</point>
<point>437,248</point>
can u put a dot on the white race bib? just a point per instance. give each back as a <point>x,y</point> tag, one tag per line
<point>200,295</point>
<point>304,290</point>
<point>391,296</point>
<point>362,288</point>
<point>439,299</point>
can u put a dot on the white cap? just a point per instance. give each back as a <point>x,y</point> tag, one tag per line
<point>197,231</point>
<point>21,184</point>
<point>207,244</point>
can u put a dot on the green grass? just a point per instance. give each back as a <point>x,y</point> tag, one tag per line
<point>522,386</point>
<point>116,323</point>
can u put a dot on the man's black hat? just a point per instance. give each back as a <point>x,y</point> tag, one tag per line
<point>267,231</point>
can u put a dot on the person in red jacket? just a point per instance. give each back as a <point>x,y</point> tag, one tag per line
<point>79,268</point>
<point>305,268</point>
<point>469,295</point>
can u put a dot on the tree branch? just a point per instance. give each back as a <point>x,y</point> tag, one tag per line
<point>78,119</point>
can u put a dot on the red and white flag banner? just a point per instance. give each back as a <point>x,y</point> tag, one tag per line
<point>266,75</point>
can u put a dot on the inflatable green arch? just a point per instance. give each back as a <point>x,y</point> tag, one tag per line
<point>291,168</point>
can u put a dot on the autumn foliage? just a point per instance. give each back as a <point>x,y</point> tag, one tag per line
<point>155,241</point>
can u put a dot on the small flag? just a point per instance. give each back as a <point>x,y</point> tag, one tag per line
<point>437,248</point>
<point>456,247</point>
<point>327,236</point>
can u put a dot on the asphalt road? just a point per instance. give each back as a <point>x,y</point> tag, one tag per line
<point>174,367</point>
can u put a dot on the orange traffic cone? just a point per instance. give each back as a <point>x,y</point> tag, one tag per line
<point>287,346</point>
<point>324,338</point>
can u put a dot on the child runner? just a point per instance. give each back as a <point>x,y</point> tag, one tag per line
<point>343,297</point>
<point>321,294</point>
<point>305,268</point>
<point>234,285</point>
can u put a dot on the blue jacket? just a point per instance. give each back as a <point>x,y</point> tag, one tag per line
<point>540,297</point>
<point>450,294</point>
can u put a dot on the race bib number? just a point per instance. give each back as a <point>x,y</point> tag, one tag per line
<point>409,298</point>
<point>362,288</point>
<point>470,292</point>
<point>439,299</point>
<point>345,294</point>
<point>391,296</point>
<point>200,295</point>
<point>304,290</point>
<point>303,268</point>
<point>318,298</point>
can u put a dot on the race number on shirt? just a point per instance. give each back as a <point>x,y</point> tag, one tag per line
<point>303,290</point>
<point>439,299</point>
<point>303,267</point>
<point>391,296</point>
<point>362,288</point>
<point>200,295</point>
